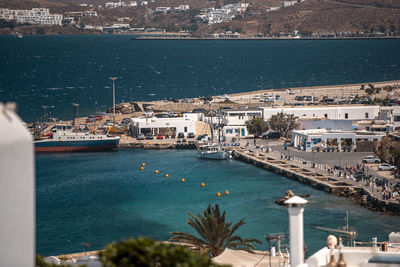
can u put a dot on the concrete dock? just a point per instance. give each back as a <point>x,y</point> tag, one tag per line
<point>319,178</point>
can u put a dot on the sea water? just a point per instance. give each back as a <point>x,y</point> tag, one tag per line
<point>41,73</point>
<point>100,197</point>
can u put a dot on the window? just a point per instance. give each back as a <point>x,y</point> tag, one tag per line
<point>366,115</point>
<point>236,130</point>
<point>227,131</point>
<point>185,129</point>
<point>326,115</point>
<point>346,115</point>
<point>396,118</point>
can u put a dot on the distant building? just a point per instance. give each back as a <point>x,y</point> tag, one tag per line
<point>75,15</point>
<point>234,121</point>
<point>289,3</point>
<point>114,4</point>
<point>225,13</point>
<point>327,112</point>
<point>170,126</point>
<point>90,14</point>
<point>307,139</point>
<point>162,9</point>
<point>181,8</point>
<point>133,4</point>
<point>121,26</point>
<point>33,16</point>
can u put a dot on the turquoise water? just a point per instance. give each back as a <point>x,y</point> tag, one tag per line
<point>37,71</point>
<point>101,197</point>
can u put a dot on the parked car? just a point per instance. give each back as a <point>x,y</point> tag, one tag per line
<point>149,136</point>
<point>181,135</point>
<point>91,119</point>
<point>199,137</point>
<point>371,159</point>
<point>140,137</point>
<point>190,135</point>
<point>271,135</point>
<point>160,136</point>
<point>386,167</point>
<point>99,117</point>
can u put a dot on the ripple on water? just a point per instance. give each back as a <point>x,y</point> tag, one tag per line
<point>100,197</point>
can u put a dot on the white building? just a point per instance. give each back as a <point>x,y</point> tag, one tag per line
<point>327,112</point>
<point>306,139</point>
<point>90,14</point>
<point>395,119</point>
<point>33,16</point>
<point>162,9</point>
<point>121,26</point>
<point>234,121</point>
<point>182,7</point>
<point>289,3</point>
<point>166,126</point>
<point>115,4</point>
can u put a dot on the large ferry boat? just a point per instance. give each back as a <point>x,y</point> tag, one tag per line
<point>65,139</point>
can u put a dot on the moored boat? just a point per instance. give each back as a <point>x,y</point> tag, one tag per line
<point>212,151</point>
<point>66,139</point>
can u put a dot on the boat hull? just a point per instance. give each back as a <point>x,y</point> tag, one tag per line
<point>48,146</point>
<point>221,155</point>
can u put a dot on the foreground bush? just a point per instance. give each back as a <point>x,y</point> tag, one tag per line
<point>146,252</point>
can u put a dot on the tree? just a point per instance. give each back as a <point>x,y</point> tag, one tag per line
<point>215,233</point>
<point>283,123</point>
<point>144,251</point>
<point>257,126</point>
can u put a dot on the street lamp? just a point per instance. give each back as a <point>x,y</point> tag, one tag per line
<point>113,79</point>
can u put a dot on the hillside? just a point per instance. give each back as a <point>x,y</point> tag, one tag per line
<point>310,16</point>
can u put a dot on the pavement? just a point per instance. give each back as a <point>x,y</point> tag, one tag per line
<point>322,158</point>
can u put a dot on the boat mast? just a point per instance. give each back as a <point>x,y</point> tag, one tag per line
<point>219,126</point>
<point>76,105</point>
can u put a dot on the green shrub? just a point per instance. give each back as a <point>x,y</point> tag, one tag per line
<point>144,251</point>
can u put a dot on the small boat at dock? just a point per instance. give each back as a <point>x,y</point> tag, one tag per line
<point>212,151</point>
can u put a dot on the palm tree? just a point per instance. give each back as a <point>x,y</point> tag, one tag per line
<point>215,233</point>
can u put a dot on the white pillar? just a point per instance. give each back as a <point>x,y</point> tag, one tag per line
<point>296,209</point>
<point>17,192</point>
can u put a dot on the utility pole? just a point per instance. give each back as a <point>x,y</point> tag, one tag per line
<point>113,79</point>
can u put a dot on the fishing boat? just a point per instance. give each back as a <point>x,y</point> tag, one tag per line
<point>212,151</point>
<point>65,138</point>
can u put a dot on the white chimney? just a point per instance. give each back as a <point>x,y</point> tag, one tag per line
<point>296,209</point>
<point>17,192</point>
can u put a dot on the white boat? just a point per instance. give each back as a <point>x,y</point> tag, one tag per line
<point>212,151</point>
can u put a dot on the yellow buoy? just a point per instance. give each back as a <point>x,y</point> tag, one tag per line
<point>166,175</point>
<point>141,168</point>
<point>143,164</point>
<point>156,171</point>
<point>226,192</point>
<point>183,179</point>
<point>218,194</point>
<point>203,184</point>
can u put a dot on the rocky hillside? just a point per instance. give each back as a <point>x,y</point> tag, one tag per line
<point>310,16</point>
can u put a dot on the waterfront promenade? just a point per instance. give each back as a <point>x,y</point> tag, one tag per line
<point>320,175</point>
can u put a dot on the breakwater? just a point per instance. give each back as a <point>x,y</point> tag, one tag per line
<point>319,179</point>
<point>135,144</point>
